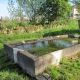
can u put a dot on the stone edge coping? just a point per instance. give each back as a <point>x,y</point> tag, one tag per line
<point>37,40</point>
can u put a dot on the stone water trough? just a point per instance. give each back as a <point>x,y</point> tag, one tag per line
<point>33,64</point>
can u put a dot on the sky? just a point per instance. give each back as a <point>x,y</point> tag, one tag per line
<point>3,8</point>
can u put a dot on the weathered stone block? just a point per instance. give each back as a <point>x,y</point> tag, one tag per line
<point>9,50</point>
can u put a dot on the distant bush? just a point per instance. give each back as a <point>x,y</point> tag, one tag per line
<point>10,25</point>
<point>23,24</point>
<point>34,28</point>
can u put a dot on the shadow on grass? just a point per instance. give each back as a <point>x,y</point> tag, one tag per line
<point>62,32</point>
<point>6,64</point>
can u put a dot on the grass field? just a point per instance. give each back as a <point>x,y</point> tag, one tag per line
<point>68,69</point>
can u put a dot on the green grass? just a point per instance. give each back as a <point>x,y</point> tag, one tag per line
<point>54,73</point>
<point>8,75</point>
<point>68,70</point>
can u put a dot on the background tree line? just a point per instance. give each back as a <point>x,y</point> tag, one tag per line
<point>40,10</point>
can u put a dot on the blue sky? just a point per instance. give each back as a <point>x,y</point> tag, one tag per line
<point>3,8</point>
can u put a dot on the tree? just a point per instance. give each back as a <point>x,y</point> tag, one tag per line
<point>19,13</point>
<point>30,7</point>
<point>53,9</point>
<point>15,10</point>
<point>11,8</point>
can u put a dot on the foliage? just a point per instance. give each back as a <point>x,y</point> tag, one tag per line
<point>11,8</point>
<point>48,31</point>
<point>15,10</point>
<point>47,10</point>
<point>30,7</point>
<point>10,24</point>
<point>53,9</point>
<point>34,28</point>
<point>23,24</point>
<point>59,23</point>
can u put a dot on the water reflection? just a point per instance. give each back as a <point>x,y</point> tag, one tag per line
<point>28,47</point>
<point>62,43</point>
<point>46,46</point>
<point>46,43</point>
<point>20,47</point>
<point>39,44</point>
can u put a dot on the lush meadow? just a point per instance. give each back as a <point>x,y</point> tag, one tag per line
<point>68,69</point>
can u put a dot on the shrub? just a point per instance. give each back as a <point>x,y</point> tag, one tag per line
<point>23,24</point>
<point>10,25</point>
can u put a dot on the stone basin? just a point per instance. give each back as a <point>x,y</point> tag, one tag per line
<point>33,64</point>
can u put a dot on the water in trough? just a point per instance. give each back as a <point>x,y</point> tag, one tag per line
<point>43,47</point>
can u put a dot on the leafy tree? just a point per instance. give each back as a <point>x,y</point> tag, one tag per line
<point>30,7</point>
<point>19,13</point>
<point>11,8</point>
<point>53,9</point>
<point>15,10</point>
